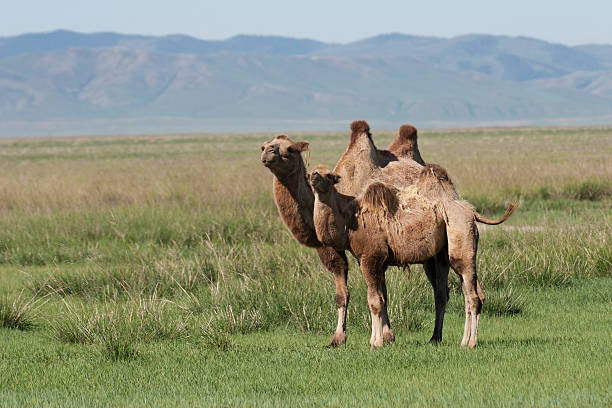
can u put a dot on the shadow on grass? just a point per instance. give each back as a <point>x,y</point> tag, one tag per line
<point>522,342</point>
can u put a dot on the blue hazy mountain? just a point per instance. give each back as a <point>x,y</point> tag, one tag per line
<point>67,82</point>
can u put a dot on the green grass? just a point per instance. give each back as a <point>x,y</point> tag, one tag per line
<point>555,353</point>
<point>155,270</point>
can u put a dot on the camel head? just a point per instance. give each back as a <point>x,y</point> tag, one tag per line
<point>322,179</point>
<point>282,155</point>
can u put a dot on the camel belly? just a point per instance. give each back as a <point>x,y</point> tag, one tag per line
<point>417,233</point>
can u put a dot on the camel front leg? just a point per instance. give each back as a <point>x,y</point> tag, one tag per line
<point>373,272</point>
<point>337,263</point>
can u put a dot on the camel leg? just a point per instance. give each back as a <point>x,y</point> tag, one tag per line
<point>436,269</point>
<point>373,273</point>
<point>337,264</point>
<point>468,320</point>
<point>473,306</point>
<point>462,247</point>
<point>388,336</point>
<point>466,269</point>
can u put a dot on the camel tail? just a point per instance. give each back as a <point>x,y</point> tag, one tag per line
<point>509,211</point>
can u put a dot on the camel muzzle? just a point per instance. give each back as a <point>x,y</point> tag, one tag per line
<point>268,159</point>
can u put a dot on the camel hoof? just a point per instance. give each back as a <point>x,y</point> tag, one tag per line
<point>435,341</point>
<point>472,344</point>
<point>376,344</point>
<point>388,337</point>
<point>338,340</point>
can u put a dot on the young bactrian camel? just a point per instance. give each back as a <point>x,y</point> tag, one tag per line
<point>295,200</point>
<point>386,226</point>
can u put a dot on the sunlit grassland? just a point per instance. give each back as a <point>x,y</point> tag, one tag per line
<point>161,262</point>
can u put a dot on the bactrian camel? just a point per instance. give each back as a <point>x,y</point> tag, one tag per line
<point>295,200</point>
<point>385,226</point>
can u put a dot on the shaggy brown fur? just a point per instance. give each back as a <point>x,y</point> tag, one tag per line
<point>380,197</point>
<point>427,223</point>
<point>295,202</point>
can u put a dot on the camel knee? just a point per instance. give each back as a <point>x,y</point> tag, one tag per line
<point>375,307</point>
<point>342,300</point>
<point>476,305</point>
<point>375,302</point>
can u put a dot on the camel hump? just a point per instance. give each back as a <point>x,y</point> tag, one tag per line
<point>407,132</point>
<point>380,196</point>
<point>405,144</point>
<point>436,171</point>
<point>360,126</point>
<point>434,182</point>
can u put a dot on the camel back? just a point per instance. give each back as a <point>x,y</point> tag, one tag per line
<point>434,182</point>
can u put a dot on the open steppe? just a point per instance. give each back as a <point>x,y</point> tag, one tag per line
<point>155,270</point>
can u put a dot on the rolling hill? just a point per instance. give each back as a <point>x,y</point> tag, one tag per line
<point>71,83</point>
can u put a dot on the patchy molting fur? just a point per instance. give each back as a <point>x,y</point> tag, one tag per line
<point>426,223</point>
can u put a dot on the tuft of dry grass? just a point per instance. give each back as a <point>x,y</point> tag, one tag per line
<point>19,312</point>
<point>120,327</point>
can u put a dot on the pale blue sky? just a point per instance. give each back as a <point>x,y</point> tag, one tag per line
<point>568,22</point>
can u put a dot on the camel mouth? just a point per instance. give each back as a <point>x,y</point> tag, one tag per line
<point>268,162</point>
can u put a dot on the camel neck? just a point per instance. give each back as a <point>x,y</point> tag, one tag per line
<point>328,221</point>
<point>295,202</point>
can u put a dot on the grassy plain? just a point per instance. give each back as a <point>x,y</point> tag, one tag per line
<point>154,270</point>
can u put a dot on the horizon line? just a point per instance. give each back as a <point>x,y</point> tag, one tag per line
<point>393,33</point>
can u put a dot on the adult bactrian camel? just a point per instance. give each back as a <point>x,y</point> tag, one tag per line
<point>387,226</point>
<point>295,200</point>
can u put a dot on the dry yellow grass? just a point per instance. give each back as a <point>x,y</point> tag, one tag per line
<point>205,170</point>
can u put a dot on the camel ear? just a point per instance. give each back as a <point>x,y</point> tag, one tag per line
<point>335,178</point>
<point>301,146</point>
<point>308,177</point>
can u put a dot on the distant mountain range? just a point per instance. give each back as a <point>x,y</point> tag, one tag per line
<point>65,82</point>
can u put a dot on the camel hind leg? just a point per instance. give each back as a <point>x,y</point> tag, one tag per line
<point>436,269</point>
<point>462,247</point>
